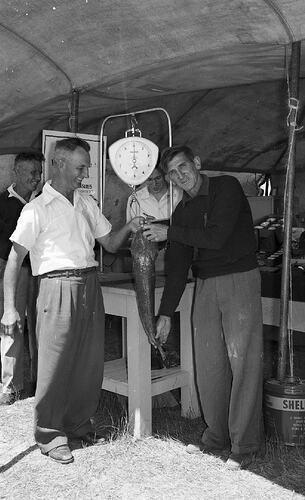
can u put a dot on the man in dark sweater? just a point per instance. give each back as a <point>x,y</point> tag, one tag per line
<point>27,168</point>
<point>212,231</point>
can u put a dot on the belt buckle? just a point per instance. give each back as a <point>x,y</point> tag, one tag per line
<point>77,272</point>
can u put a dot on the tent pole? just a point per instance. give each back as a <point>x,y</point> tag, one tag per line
<point>288,210</point>
<point>73,120</point>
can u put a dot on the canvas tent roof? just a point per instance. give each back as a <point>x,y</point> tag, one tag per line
<point>206,61</point>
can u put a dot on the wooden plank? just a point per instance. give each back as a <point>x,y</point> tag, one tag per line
<point>115,377</point>
<point>296,314</point>
<point>139,374</point>
<point>167,379</point>
<point>170,381</point>
<point>114,302</point>
<point>189,398</point>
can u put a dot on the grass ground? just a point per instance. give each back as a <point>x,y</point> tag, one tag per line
<point>154,468</point>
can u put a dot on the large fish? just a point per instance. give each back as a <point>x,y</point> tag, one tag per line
<point>144,253</point>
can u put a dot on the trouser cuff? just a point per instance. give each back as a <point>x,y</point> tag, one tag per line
<point>251,448</point>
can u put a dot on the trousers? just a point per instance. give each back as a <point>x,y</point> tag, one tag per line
<point>12,347</point>
<point>70,335</point>
<point>228,347</point>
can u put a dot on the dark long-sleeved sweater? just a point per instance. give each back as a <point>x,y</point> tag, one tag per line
<point>10,209</point>
<point>213,232</point>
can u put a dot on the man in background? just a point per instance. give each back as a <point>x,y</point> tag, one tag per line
<point>153,202</point>
<point>153,198</point>
<point>27,169</point>
<point>59,229</point>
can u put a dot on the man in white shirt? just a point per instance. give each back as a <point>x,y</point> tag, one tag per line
<point>27,168</point>
<point>153,198</point>
<point>153,201</point>
<point>59,229</point>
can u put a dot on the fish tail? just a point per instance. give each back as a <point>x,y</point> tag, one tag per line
<point>163,356</point>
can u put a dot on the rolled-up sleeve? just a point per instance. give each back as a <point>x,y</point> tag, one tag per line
<point>102,225</point>
<point>27,229</point>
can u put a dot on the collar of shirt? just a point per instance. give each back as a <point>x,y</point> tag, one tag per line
<point>12,193</point>
<point>49,193</point>
<point>203,190</point>
<point>143,193</point>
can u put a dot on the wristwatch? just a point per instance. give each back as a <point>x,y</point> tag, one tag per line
<point>133,159</point>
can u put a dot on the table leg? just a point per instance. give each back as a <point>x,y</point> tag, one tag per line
<point>139,374</point>
<point>124,338</point>
<point>189,399</point>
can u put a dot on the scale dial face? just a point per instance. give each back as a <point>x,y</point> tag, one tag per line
<point>133,159</point>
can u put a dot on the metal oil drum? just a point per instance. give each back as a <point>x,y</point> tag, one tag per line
<point>284,411</point>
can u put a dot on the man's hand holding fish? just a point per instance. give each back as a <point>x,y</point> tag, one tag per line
<point>155,232</point>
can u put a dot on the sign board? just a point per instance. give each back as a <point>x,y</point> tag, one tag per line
<point>92,184</point>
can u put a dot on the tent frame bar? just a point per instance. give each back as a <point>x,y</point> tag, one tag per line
<point>73,119</point>
<point>288,212</point>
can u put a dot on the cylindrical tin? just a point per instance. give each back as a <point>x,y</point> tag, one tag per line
<point>284,411</point>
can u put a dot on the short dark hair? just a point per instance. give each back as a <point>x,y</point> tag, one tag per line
<point>158,167</point>
<point>169,153</point>
<point>21,157</point>
<point>71,144</point>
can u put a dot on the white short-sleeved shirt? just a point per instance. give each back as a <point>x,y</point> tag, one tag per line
<point>149,205</point>
<point>60,235</point>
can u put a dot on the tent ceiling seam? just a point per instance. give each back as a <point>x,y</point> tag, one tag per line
<point>39,51</point>
<point>94,92</point>
<point>276,9</point>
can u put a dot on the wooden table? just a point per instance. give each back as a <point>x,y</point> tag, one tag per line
<point>296,314</point>
<point>271,290</point>
<point>132,376</point>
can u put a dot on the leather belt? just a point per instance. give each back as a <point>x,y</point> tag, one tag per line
<point>68,273</point>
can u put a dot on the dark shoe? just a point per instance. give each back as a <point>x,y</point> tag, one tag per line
<point>90,439</point>
<point>8,398</point>
<point>61,454</point>
<point>198,449</point>
<point>238,461</point>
